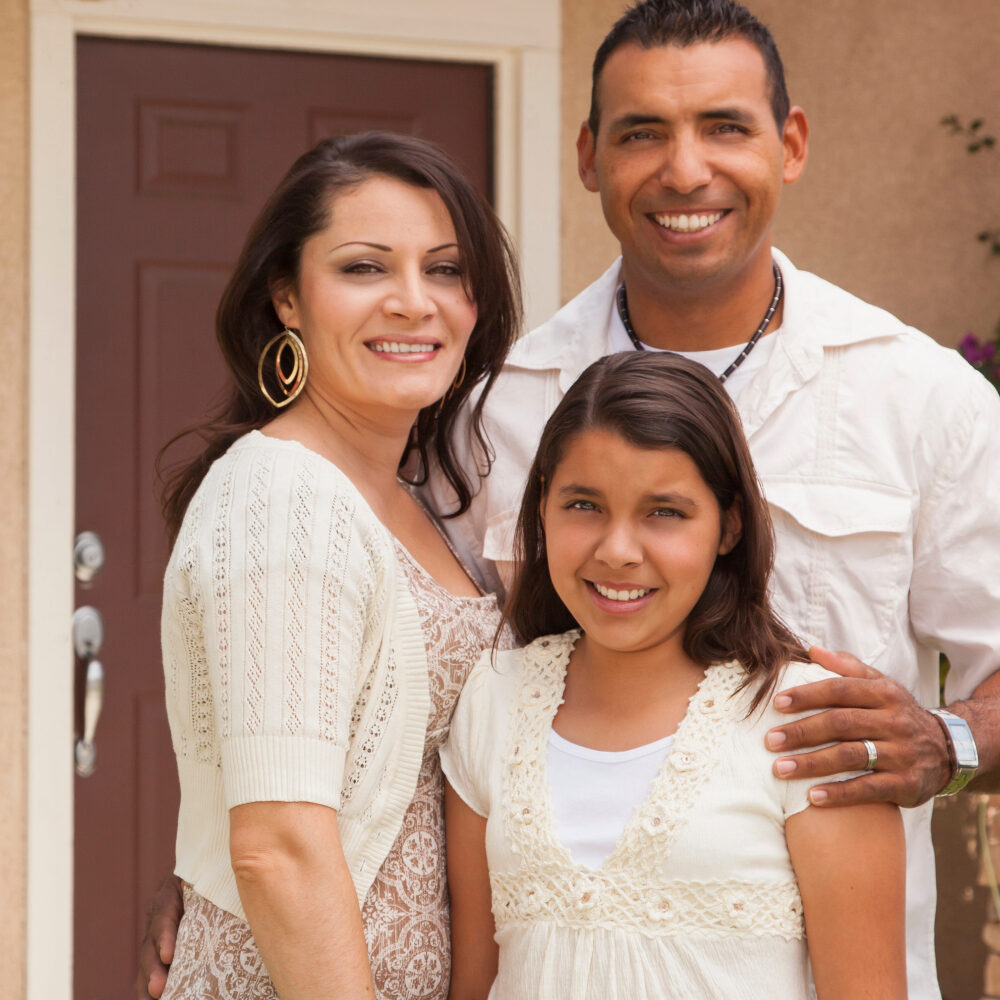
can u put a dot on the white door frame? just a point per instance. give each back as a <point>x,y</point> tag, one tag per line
<point>520,38</point>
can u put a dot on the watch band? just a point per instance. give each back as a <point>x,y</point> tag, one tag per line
<point>961,750</point>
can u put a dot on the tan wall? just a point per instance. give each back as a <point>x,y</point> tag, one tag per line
<point>13,486</point>
<point>889,205</point>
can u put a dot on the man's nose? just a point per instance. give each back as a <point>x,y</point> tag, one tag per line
<point>686,167</point>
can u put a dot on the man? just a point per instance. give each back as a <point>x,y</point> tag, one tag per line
<point>878,450</point>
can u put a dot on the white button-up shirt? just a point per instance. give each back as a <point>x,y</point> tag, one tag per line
<point>879,454</point>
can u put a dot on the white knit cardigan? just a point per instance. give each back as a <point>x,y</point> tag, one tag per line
<point>293,658</point>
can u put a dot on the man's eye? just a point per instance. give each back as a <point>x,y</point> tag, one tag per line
<point>638,136</point>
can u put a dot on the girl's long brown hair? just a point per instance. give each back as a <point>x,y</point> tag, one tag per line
<point>665,401</point>
<point>299,208</point>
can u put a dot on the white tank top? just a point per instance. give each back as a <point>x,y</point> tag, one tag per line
<point>594,793</point>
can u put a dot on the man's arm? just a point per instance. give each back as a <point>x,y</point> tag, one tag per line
<point>914,762</point>
<point>156,951</point>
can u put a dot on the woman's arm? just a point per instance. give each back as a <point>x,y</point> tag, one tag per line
<point>851,867</point>
<point>473,948</point>
<point>299,899</point>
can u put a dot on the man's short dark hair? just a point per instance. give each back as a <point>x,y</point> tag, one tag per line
<point>686,22</point>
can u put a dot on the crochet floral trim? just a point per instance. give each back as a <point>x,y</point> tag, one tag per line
<point>628,889</point>
<point>588,899</point>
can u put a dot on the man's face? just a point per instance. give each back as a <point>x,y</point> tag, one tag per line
<point>690,163</point>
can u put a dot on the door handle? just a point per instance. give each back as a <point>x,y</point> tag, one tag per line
<point>85,751</point>
<point>88,638</point>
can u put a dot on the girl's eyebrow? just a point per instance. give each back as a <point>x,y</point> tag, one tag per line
<point>671,498</point>
<point>578,490</point>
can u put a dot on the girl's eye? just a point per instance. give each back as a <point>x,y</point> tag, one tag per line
<point>581,505</point>
<point>666,512</point>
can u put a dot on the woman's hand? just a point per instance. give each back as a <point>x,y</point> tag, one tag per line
<point>850,863</point>
<point>300,900</point>
<point>474,952</point>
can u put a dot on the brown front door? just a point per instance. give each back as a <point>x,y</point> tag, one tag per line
<point>178,145</point>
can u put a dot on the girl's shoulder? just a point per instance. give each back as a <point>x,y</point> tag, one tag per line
<point>530,674</point>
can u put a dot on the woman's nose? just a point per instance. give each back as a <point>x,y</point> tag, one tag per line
<point>410,298</point>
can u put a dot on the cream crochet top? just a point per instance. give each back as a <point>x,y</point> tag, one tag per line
<point>293,657</point>
<point>697,900</point>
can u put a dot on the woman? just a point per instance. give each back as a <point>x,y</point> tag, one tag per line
<point>614,826</point>
<point>316,626</point>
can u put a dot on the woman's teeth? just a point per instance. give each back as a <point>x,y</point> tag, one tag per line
<point>394,347</point>
<point>621,595</point>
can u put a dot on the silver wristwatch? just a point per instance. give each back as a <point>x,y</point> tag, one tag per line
<point>961,750</point>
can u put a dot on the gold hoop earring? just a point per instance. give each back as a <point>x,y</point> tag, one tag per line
<point>293,382</point>
<point>453,388</point>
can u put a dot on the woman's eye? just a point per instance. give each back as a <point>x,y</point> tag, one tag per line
<point>447,268</point>
<point>362,267</point>
<point>581,505</point>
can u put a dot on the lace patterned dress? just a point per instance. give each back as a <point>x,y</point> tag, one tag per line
<point>698,898</point>
<point>405,914</point>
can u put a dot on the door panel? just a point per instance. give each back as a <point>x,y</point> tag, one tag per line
<point>178,146</point>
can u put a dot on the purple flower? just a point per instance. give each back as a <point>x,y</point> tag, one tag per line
<point>977,353</point>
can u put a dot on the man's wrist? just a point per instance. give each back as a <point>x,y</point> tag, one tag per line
<point>961,746</point>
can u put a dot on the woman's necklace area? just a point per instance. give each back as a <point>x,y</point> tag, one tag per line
<point>779,286</point>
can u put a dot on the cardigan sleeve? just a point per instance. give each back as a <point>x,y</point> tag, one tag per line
<point>293,575</point>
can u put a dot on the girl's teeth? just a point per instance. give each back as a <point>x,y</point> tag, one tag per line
<point>621,595</point>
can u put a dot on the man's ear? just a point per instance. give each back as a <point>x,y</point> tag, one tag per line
<point>795,140</point>
<point>585,156</point>
<point>285,301</point>
<point>732,527</point>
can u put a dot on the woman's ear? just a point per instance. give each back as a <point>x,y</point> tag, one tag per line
<point>285,302</point>
<point>732,527</point>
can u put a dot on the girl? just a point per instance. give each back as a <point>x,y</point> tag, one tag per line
<point>608,784</point>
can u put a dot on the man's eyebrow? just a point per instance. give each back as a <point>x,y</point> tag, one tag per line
<point>635,118</point>
<point>738,115</point>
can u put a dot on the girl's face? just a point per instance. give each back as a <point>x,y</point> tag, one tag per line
<point>379,300</point>
<point>631,536</point>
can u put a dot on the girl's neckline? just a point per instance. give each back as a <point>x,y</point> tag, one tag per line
<point>260,436</point>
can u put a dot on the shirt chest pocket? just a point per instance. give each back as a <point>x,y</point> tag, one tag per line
<point>843,561</point>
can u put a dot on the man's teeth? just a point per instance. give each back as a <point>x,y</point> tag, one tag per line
<point>621,595</point>
<point>688,223</point>
<point>394,347</point>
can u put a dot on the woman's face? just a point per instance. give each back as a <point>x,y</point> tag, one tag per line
<point>379,301</point>
<point>631,536</point>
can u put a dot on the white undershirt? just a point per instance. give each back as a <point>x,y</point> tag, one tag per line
<point>716,361</point>
<point>594,793</point>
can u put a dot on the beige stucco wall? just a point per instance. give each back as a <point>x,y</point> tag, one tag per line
<point>889,205</point>
<point>13,485</point>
